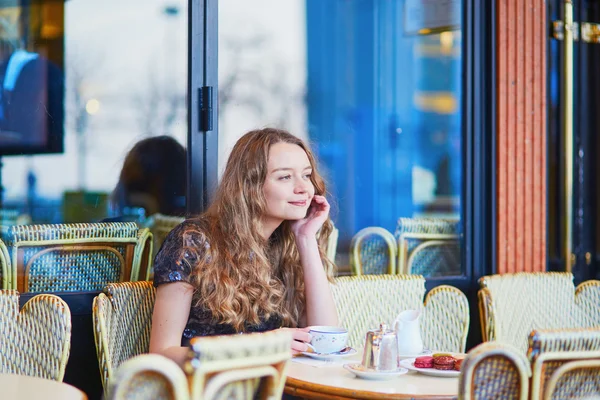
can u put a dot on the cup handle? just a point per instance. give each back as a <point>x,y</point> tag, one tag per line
<point>310,346</point>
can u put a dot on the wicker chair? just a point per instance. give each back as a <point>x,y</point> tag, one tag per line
<point>373,251</point>
<point>239,366</point>
<point>363,302</point>
<point>160,225</point>
<point>122,324</point>
<point>512,305</point>
<point>428,247</point>
<point>5,270</point>
<point>148,377</point>
<point>35,341</point>
<point>332,243</point>
<point>551,353</point>
<point>493,371</point>
<point>575,380</point>
<point>77,257</point>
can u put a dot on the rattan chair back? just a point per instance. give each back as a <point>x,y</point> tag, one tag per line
<point>122,323</point>
<point>36,340</point>
<point>512,305</point>
<point>5,269</point>
<point>363,302</point>
<point>550,350</point>
<point>160,225</point>
<point>239,366</point>
<point>373,251</point>
<point>77,257</point>
<point>148,377</point>
<point>332,242</point>
<point>493,371</point>
<point>428,247</point>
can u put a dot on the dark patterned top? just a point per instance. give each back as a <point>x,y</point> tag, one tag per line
<point>169,266</point>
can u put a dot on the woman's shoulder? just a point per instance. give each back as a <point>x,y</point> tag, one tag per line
<point>191,232</point>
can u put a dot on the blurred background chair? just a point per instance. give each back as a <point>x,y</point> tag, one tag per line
<point>160,225</point>
<point>373,251</point>
<point>363,302</point>
<point>5,269</point>
<point>555,357</point>
<point>148,377</point>
<point>36,340</point>
<point>492,371</point>
<point>512,305</point>
<point>122,316</point>
<point>332,243</point>
<point>77,257</point>
<point>241,367</point>
<point>428,247</point>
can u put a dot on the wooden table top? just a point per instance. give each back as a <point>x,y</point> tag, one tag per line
<point>334,382</point>
<point>21,387</point>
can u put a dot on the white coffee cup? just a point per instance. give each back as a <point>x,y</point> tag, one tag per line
<point>328,339</point>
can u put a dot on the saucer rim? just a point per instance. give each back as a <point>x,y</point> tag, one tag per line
<point>398,372</point>
<point>349,353</point>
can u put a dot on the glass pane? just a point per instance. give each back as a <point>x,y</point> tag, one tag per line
<point>95,78</point>
<point>376,88</point>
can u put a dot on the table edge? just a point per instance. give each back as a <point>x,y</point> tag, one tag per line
<point>302,388</point>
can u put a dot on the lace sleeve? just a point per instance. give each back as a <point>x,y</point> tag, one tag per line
<point>179,254</point>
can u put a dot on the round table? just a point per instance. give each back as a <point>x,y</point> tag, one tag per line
<point>21,387</point>
<point>334,382</point>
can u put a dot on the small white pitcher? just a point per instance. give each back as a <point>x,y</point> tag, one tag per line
<point>409,333</point>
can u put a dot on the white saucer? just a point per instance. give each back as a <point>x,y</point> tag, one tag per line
<point>425,352</point>
<point>409,364</point>
<point>347,352</point>
<point>362,372</point>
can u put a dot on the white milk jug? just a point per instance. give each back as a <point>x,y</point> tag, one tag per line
<point>408,333</point>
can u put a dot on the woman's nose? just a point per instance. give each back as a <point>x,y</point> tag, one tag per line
<point>301,187</point>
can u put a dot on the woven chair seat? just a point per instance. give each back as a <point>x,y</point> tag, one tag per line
<point>493,371</point>
<point>239,366</point>
<point>122,323</point>
<point>512,305</point>
<point>77,257</point>
<point>363,302</point>
<point>36,340</point>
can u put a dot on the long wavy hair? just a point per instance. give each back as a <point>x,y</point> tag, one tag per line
<point>240,276</point>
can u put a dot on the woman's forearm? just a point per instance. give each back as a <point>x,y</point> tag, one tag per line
<point>320,307</point>
<point>176,353</point>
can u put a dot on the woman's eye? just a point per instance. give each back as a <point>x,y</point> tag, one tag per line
<point>285,177</point>
<point>307,176</point>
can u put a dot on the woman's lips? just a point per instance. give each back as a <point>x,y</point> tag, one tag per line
<point>298,203</point>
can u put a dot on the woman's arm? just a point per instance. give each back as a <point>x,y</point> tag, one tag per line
<point>171,312</point>
<point>319,307</point>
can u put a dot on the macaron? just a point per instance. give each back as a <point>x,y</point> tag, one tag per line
<point>424,362</point>
<point>444,363</point>
<point>458,364</point>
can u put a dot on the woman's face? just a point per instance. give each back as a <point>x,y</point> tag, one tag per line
<point>288,189</point>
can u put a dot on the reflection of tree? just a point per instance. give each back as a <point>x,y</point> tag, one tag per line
<point>80,72</point>
<point>158,105</point>
<point>256,80</point>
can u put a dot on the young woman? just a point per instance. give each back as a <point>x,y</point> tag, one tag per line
<point>254,261</point>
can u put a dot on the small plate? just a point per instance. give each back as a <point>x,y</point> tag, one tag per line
<point>347,352</point>
<point>425,352</point>
<point>409,364</point>
<point>362,372</point>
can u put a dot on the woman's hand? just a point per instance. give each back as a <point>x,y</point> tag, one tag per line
<point>315,217</point>
<point>301,337</point>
